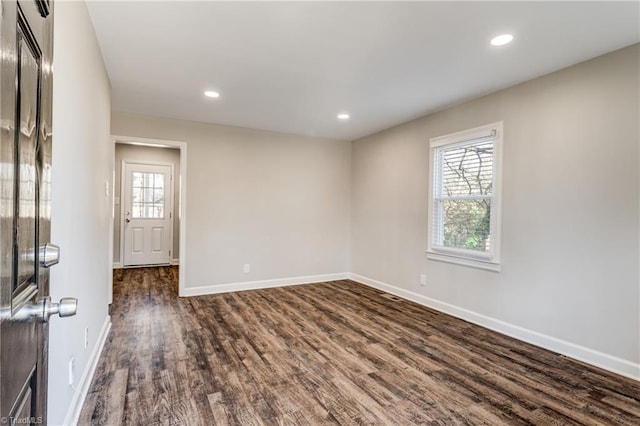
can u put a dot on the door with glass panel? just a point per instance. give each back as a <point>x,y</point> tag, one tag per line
<point>147,213</point>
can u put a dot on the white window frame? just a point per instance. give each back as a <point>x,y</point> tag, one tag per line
<point>489,261</point>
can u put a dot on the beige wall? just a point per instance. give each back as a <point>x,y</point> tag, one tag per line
<point>80,206</point>
<point>570,208</point>
<point>126,152</point>
<point>277,202</point>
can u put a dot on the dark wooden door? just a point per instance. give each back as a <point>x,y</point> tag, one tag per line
<point>26,45</point>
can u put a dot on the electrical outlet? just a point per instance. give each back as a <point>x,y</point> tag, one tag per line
<point>423,279</point>
<point>72,370</point>
<point>86,337</point>
<point>247,268</point>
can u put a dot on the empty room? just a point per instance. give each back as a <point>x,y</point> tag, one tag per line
<point>310,213</point>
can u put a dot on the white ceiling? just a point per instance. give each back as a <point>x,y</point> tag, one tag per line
<point>293,66</point>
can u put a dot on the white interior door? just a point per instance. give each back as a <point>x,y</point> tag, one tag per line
<point>147,213</point>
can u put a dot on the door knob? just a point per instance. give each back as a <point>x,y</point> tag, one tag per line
<point>67,307</point>
<point>44,308</point>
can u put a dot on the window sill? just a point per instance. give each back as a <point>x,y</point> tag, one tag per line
<point>464,261</point>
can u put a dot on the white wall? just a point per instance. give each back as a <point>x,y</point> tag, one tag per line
<point>80,209</point>
<point>144,153</point>
<point>570,212</point>
<point>277,202</point>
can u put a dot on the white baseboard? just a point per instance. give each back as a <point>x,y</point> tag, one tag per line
<point>118,265</point>
<point>590,356</point>
<point>73,413</point>
<point>255,285</point>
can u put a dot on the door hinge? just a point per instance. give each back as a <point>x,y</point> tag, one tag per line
<point>170,215</point>
<point>169,253</point>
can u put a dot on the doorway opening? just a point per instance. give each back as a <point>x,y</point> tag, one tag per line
<point>149,205</point>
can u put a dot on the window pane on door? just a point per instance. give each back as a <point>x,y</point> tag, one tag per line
<point>137,180</point>
<point>147,195</point>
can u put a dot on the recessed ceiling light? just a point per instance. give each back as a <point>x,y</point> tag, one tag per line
<point>212,94</point>
<point>343,116</point>
<point>501,40</point>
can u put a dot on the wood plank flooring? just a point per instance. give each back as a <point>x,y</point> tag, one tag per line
<point>330,353</point>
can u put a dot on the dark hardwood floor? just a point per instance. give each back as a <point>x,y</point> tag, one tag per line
<point>331,353</point>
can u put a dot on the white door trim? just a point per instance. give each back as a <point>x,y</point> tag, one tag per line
<point>122,204</point>
<point>182,205</point>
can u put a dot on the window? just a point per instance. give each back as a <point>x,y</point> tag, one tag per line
<point>147,195</point>
<point>464,212</point>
